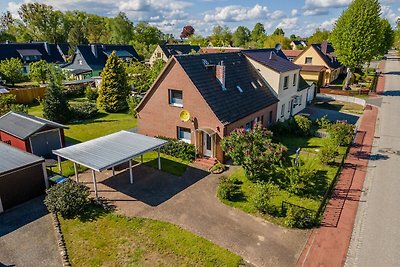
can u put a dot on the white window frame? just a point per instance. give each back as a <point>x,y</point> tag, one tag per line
<point>283,110</point>
<point>310,61</point>
<point>295,79</point>
<point>170,99</point>
<point>285,82</point>
<point>182,137</point>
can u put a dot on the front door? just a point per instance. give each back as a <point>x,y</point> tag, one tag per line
<point>207,145</point>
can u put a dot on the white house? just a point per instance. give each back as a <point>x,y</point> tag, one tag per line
<point>284,78</point>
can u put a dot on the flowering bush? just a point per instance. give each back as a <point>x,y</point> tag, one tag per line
<point>254,150</point>
<point>341,133</point>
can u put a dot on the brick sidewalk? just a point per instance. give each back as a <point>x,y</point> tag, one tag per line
<point>328,245</point>
<point>380,87</point>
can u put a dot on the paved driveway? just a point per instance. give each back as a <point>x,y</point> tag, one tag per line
<point>190,202</point>
<point>27,237</point>
<point>333,115</point>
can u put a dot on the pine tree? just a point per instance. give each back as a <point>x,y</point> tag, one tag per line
<point>114,89</point>
<point>357,34</point>
<point>55,104</point>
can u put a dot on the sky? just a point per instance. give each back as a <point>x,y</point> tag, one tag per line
<point>300,17</point>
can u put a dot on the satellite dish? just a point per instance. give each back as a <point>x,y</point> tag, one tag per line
<point>184,115</point>
<point>278,47</point>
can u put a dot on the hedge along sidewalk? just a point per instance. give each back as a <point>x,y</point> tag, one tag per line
<point>328,245</point>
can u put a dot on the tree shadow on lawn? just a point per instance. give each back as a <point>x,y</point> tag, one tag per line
<point>317,187</point>
<point>92,212</point>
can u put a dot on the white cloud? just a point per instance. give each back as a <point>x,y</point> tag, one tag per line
<point>294,12</point>
<point>236,13</point>
<point>277,14</point>
<point>288,23</point>
<point>328,24</point>
<point>389,14</point>
<point>326,3</point>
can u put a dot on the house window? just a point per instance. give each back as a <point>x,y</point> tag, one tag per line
<point>80,62</point>
<point>286,82</point>
<point>308,60</point>
<point>283,110</point>
<point>288,107</point>
<point>175,98</point>
<point>300,98</point>
<point>294,79</point>
<point>262,121</point>
<point>270,118</point>
<point>290,59</point>
<point>184,134</point>
<point>248,126</point>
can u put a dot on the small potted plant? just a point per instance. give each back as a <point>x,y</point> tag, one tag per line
<point>217,168</point>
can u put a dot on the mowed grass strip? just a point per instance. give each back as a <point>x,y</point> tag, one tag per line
<point>107,239</point>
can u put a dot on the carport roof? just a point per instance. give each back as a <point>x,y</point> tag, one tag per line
<point>12,158</point>
<point>111,150</point>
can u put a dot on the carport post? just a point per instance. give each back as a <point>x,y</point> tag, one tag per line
<point>46,180</point>
<point>130,171</point>
<point>76,173</point>
<point>94,184</point>
<point>113,170</point>
<point>59,164</point>
<point>159,159</point>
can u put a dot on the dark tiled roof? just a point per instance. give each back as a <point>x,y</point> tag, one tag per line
<point>312,67</point>
<point>10,50</point>
<point>12,158</point>
<point>178,49</point>
<point>266,50</point>
<point>330,57</point>
<point>228,105</point>
<point>64,48</point>
<point>23,125</point>
<point>271,60</point>
<point>98,63</point>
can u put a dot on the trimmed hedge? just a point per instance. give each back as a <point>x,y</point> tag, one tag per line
<point>178,149</point>
<point>83,110</point>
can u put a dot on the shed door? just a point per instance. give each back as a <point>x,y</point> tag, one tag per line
<point>44,143</point>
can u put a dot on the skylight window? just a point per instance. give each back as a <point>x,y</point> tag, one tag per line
<point>259,82</point>
<point>254,85</point>
<point>205,62</point>
<point>239,88</point>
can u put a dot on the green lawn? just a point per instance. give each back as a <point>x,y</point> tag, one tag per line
<point>104,124</point>
<point>102,238</point>
<point>342,106</point>
<point>318,187</point>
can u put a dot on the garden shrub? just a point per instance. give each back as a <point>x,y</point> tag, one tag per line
<point>328,152</point>
<point>280,128</point>
<point>178,149</point>
<point>73,91</point>
<point>296,178</point>
<point>341,133</point>
<point>261,197</point>
<point>132,104</point>
<point>218,168</point>
<point>68,199</point>
<point>91,93</point>
<point>299,217</point>
<point>8,103</point>
<point>254,151</point>
<point>303,125</point>
<point>227,188</point>
<point>83,110</point>
<point>323,123</point>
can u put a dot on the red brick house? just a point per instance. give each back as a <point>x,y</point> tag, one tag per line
<point>221,92</point>
<point>31,134</point>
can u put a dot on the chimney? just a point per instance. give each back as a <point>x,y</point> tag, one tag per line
<point>47,47</point>
<point>93,47</point>
<point>7,41</point>
<point>220,73</point>
<point>324,47</point>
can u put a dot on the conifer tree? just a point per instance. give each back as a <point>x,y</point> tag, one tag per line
<point>55,104</point>
<point>114,89</point>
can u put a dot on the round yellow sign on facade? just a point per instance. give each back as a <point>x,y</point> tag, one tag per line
<point>184,115</point>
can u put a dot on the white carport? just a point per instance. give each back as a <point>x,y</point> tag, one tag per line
<point>109,151</point>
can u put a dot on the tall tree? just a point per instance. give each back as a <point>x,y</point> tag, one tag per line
<point>114,89</point>
<point>42,22</point>
<point>356,35</point>
<point>241,36</point>
<point>397,36</point>
<point>221,36</point>
<point>121,29</point>
<point>278,31</point>
<point>318,36</point>
<point>258,33</point>
<point>387,39</point>
<point>39,71</point>
<point>272,40</point>
<point>55,104</point>
<point>187,31</point>
<point>197,39</point>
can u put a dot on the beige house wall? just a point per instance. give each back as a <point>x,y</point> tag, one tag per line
<point>157,54</point>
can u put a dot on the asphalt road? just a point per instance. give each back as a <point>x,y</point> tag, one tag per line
<point>27,237</point>
<point>376,234</point>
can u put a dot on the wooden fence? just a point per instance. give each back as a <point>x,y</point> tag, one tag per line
<point>28,95</point>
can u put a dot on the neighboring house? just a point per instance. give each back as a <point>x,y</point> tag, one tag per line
<point>319,64</point>
<point>298,44</point>
<point>218,93</point>
<point>284,78</point>
<point>64,50</point>
<point>23,176</point>
<point>31,52</point>
<point>89,60</point>
<point>292,54</point>
<point>166,51</point>
<point>31,134</point>
<point>221,49</point>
